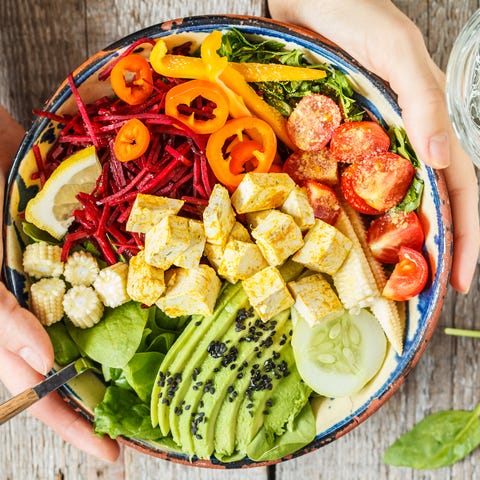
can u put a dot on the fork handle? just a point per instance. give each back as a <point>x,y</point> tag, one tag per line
<point>17,404</point>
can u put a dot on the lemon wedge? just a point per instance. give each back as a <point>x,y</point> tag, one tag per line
<point>51,209</point>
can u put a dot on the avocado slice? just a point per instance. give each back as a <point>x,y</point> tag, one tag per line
<point>257,337</point>
<point>219,353</point>
<point>178,355</point>
<point>226,426</point>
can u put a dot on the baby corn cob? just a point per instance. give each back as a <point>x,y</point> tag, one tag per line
<point>83,306</point>
<point>111,285</point>
<point>354,280</point>
<point>385,310</point>
<point>46,297</point>
<point>81,268</point>
<point>42,260</point>
<point>361,279</point>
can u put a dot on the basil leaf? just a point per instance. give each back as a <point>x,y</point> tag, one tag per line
<point>439,440</point>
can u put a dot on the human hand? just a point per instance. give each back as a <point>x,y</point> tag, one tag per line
<point>26,352</point>
<point>388,43</point>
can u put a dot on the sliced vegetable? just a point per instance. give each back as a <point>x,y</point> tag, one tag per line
<point>409,276</point>
<point>269,72</point>
<point>353,141</point>
<point>386,234</point>
<point>323,200</point>
<point>243,153</point>
<point>200,104</point>
<point>312,122</point>
<point>351,197</point>
<point>337,358</point>
<point>131,79</point>
<point>132,140</point>
<point>381,180</point>
<point>318,165</point>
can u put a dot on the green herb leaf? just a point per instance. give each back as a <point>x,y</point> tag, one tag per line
<point>122,413</point>
<point>412,198</point>
<point>439,440</point>
<point>115,339</point>
<point>399,143</point>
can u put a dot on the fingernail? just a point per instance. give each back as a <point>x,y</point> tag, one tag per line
<point>33,359</point>
<point>439,149</point>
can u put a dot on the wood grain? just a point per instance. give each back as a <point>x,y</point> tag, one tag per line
<point>40,43</point>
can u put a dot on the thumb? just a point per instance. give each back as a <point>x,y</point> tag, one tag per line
<point>22,333</point>
<point>423,101</point>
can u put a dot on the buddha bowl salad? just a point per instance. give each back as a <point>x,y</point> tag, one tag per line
<point>226,237</point>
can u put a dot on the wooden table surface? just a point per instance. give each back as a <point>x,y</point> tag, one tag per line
<point>40,42</point>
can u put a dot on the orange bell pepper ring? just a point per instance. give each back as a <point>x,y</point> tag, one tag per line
<point>184,102</point>
<point>231,151</point>
<point>131,79</point>
<point>132,140</point>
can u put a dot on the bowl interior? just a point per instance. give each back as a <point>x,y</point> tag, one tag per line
<point>334,416</point>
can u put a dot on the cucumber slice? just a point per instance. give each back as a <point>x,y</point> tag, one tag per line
<point>338,357</point>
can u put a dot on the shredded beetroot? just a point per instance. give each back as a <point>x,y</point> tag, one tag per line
<point>174,165</point>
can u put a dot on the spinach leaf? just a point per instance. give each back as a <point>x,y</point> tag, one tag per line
<point>141,372</point>
<point>399,143</point>
<point>38,235</point>
<point>121,412</point>
<point>439,440</point>
<point>412,198</point>
<point>266,447</point>
<point>115,339</point>
<point>64,347</point>
<point>285,95</point>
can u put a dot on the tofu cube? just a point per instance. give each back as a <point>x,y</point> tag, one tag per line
<point>166,241</point>
<point>278,237</point>
<point>218,216</point>
<point>145,283</point>
<point>190,291</point>
<point>253,219</point>
<point>240,260</point>
<point>299,208</point>
<point>267,293</point>
<point>214,253</point>
<point>315,299</point>
<point>239,232</point>
<point>325,248</point>
<point>191,256</point>
<point>148,210</point>
<point>260,191</point>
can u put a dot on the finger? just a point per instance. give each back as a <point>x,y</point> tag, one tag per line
<point>22,334</point>
<point>463,192</point>
<point>422,101</point>
<point>53,410</point>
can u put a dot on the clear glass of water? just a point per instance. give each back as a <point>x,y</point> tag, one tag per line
<point>463,87</point>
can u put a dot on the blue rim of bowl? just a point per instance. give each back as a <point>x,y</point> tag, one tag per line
<point>430,300</point>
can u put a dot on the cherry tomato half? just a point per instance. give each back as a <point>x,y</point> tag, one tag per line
<point>312,122</point>
<point>354,141</point>
<point>409,276</point>
<point>323,200</point>
<point>386,234</point>
<point>382,180</point>
<point>351,197</point>
<point>318,165</point>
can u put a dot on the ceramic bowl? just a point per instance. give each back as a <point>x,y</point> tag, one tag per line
<point>335,417</point>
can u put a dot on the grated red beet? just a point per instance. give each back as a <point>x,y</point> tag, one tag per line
<point>174,165</point>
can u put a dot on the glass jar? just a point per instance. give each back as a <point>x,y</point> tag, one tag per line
<point>463,87</point>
